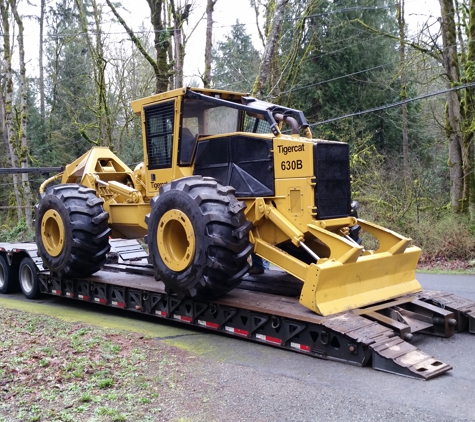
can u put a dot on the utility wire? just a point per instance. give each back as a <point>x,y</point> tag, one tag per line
<point>399,103</point>
<point>337,78</point>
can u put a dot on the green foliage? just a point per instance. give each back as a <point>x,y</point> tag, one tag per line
<point>327,65</point>
<point>235,61</point>
<point>445,237</point>
<point>18,233</point>
<point>415,207</point>
<point>55,138</point>
<point>130,149</point>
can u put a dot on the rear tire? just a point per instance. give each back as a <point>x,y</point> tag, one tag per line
<point>8,281</point>
<point>28,278</point>
<point>71,230</point>
<point>198,238</point>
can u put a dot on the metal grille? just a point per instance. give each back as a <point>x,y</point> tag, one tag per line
<point>254,125</point>
<point>332,170</point>
<point>159,134</point>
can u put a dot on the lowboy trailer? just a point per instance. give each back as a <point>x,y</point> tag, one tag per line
<point>263,309</point>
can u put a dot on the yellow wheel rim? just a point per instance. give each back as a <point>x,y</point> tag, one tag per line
<point>52,232</point>
<point>176,240</point>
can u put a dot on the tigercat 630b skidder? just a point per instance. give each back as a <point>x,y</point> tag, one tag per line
<point>225,174</point>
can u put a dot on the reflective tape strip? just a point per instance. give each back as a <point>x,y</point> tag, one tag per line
<point>208,324</point>
<point>300,347</point>
<point>182,318</point>
<point>161,313</point>
<point>237,331</point>
<point>269,339</point>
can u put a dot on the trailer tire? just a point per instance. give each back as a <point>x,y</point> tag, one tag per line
<point>71,230</point>
<point>28,278</point>
<point>198,238</point>
<point>8,281</point>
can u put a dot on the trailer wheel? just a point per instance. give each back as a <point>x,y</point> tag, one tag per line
<point>8,280</point>
<point>198,238</point>
<point>71,230</point>
<point>28,278</point>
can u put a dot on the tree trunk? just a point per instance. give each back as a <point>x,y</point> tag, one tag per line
<point>453,115</point>
<point>469,114</point>
<point>101,108</point>
<point>104,112</point>
<point>162,42</point>
<point>23,150</point>
<point>8,98</point>
<point>276,15</point>
<point>402,63</point>
<point>40,65</point>
<point>157,69</point>
<point>209,43</point>
<point>177,46</point>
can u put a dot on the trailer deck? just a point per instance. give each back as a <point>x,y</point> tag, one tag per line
<point>266,309</point>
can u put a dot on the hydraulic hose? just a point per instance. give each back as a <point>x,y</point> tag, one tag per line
<point>48,181</point>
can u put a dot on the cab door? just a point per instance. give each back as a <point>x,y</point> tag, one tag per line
<point>160,131</point>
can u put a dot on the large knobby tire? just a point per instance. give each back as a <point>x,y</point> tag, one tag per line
<point>198,238</point>
<point>71,230</point>
<point>8,280</point>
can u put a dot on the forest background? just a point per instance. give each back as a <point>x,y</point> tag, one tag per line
<point>403,100</point>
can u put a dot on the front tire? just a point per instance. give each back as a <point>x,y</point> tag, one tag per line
<point>198,238</point>
<point>71,230</point>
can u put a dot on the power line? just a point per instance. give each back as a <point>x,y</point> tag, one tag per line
<point>399,103</point>
<point>337,78</point>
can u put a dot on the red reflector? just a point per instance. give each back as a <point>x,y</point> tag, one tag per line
<point>99,300</point>
<point>83,297</point>
<point>161,313</point>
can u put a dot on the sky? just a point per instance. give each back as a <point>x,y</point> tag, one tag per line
<point>226,12</point>
<point>225,15</point>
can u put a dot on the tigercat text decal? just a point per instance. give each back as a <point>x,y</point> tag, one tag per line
<point>289,149</point>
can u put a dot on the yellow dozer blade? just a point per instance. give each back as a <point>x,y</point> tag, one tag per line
<point>356,278</point>
<point>334,287</point>
<point>351,277</point>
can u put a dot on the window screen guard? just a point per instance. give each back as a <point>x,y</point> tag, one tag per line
<point>159,134</point>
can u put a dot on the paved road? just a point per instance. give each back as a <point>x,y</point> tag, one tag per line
<point>249,381</point>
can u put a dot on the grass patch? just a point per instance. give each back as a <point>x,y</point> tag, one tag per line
<point>51,370</point>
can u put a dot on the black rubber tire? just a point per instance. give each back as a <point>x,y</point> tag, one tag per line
<point>8,281</point>
<point>221,234</point>
<point>86,230</point>
<point>28,278</point>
